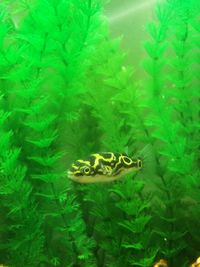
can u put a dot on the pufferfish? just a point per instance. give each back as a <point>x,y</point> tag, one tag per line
<point>103,167</point>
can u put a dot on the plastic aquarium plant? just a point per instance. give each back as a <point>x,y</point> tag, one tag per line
<point>66,92</point>
<point>40,80</point>
<point>173,87</point>
<point>167,101</point>
<point>21,231</point>
<point>118,212</point>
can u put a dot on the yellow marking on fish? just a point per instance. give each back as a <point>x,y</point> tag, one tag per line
<point>103,167</point>
<point>74,166</point>
<point>196,263</point>
<point>101,157</point>
<point>161,263</point>
<point>84,161</point>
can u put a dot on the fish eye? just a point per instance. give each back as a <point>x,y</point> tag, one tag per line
<point>127,160</point>
<point>86,169</point>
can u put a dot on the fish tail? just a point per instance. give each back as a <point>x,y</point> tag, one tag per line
<point>147,156</point>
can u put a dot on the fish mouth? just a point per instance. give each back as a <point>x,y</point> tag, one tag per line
<point>70,175</point>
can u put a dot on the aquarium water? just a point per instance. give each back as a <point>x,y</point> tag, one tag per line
<point>99,133</point>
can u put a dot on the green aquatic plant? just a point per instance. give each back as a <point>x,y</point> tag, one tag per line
<point>46,49</point>
<point>166,101</point>
<point>119,216</point>
<point>19,246</point>
<point>172,121</point>
<point>66,91</point>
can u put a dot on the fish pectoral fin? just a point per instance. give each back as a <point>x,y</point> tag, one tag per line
<point>115,172</point>
<point>107,170</point>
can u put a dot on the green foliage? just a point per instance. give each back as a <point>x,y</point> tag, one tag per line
<point>173,94</point>
<point>66,91</point>
<point>18,209</point>
<point>44,71</point>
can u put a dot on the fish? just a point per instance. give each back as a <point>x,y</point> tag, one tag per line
<point>103,167</point>
<point>161,263</point>
<point>196,263</point>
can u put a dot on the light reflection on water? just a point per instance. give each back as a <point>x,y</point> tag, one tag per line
<point>129,10</point>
